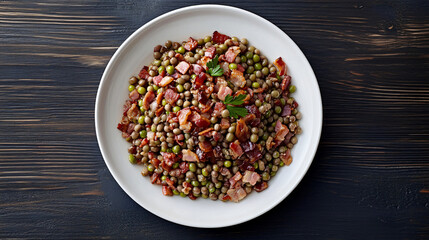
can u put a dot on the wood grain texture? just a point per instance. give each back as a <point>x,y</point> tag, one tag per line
<point>370,177</point>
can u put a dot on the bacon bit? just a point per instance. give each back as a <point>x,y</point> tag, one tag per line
<point>154,177</point>
<point>159,98</point>
<point>223,92</point>
<point>182,67</point>
<point>189,156</point>
<point>269,143</point>
<point>251,177</point>
<point>281,66</point>
<point>232,53</point>
<point>199,120</point>
<point>285,83</point>
<point>191,196</point>
<point>224,171</point>
<point>144,73</point>
<point>199,80</point>
<point>261,186</point>
<point>157,79</point>
<point>179,57</point>
<point>216,136</point>
<point>288,137</point>
<point>220,81</point>
<point>249,118</point>
<point>183,115</point>
<point>184,167</point>
<point>203,62</point>
<point>224,124</point>
<point>226,198</point>
<point>165,81</point>
<point>176,75</point>
<point>125,108</point>
<point>205,146</point>
<point>295,105</point>
<point>286,157</point>
<point>133,112</point>
<point>219,38</point>
<point>236,194</point>
<point>240,68</point>
<point>281,131</point>
<point>225,68</point>
<point>167,191</point>
<point>207,108</point>
<point>210,52</point>
<point>155,162</point>
<point>202,98</point>
<point>259,90</point>
<point>134,95</point>
<point>242,130</point>
<point>186,187</point>
<point>219,107</point>
<point>239,92</point>
<point>159,111</point>
<point>255,154</point>
<point>171,96</point>
<point>130,128</point>
<point>191,44</point>
<point>170,183</point>
<point>287,111</point>
<point>236,149</point>
<point>237,78</point>
<point>197,69</point>
<point>203,133</point>
<point>121,127</point>
<point>151,136</point>
<point>153,106</point>
<point>235,178</point>
<point>248,146</point>
<point>145,141</point>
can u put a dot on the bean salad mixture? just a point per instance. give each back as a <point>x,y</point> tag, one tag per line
<point>211,118</point>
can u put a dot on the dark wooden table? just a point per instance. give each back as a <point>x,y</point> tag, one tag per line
<point>369,179</point>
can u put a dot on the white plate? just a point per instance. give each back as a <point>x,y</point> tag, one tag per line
<point>179,25</point>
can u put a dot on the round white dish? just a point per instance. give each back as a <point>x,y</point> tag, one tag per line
<point>178,25</point>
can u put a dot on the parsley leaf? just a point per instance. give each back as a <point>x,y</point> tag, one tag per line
<point>236,111</point>
<point>214,68</point>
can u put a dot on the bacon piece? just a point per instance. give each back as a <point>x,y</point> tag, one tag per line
<point>223,92</point>
<point>269,144</point>
<point>210,52</point>
<point>224,124</point>
<point>165,81</point>
<point>130,128</point>
<point>189,156</point>
<point>205,132</point>
<point>170,183</point>
<point>237,78</point>
<point>159,98</point>
<point>240,68</point>
<point>224,171</point>
<point>157,79</point>
<point>153,106</point>
<point>251,177</point>
<point>242,130</point>
<point>150,136</point>
<point>171,96</point>
<point>183,115</point>
<point>133,112</point>
<point>286,157</point>
<point>145,141</point>
<point>199,80</point>
<point>202,122</point>
<point>159,111</point>
<point>179,57</point>
<point>187,187</point>
<point>203,62</point>
<point>219,107</point>
<point>287,111</point>
<point>231,54</point>
<point>144,74</point>
<point>205,146</point>
<point>261,186</point>
<point>219,37</point>
<point>202,98</point>
<point>234,179</point>
<point>288,137</point>
<point>154,177</point>
<point>225,68</point>
<point>197,69</point>
<point>236,194</point>
<point>281,131</point>
<point>255,154</point>
<point>220,81</point>
<point>176,75</point>
<point>134,95</point>
<point>191,44</point>
<point>281,66</point>
<point>182,67</point>
<point>236,149</point>
<point>285,83</point>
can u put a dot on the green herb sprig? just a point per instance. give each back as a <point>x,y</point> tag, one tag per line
<point>214,68</point>
<point>233,110</point>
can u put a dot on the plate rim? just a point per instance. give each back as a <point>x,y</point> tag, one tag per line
<point>115,56</point>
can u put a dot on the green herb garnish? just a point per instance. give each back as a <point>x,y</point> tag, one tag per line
<point>214,68</point>
<point>235,111</point>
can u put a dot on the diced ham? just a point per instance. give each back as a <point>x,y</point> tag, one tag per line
<point>285,82</point>
<point>134,95</point>
<point>235,178</point>
<point>165,81</point>
<point>144,74</point>
<point>191,44</point>
<point>287,111</point>
<point>182,67</point>
<point>183,115</point>
<point>242,131</point>
<point>157,79</point>
<point>281,131</point>
<point>236,149</point>
<point>171,96</point>
<point>237,78</point>
<point>236,194</point>
<point>232,53</point>
<point>223,92</point>
<point>189,156</point>
<point>286,157</point>
<point>281,66</point>
<point>148,98</point>
<point>197,69</point>
<point>210,52</point>
<point>219,37</point>
<point>251,177</point>
<point>224,124</point>
<point>261,186</point>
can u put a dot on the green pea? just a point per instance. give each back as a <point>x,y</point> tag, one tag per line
<point>132,159</point>
<point>205,172</point>
<point>243,59</point>
<point>176,109</point>
<point>161,69</point>
<point>267,114</point>
<point>255,165</point>
<point>254,138</point>
<point>141,90</point>
<point>141,119</point>
<point>164,102</point>
<point>232,66</point>
<point>150,89</point>
<point>140,102</point>
<point>163,178</point>
<point>131,88</point>
<point>176,149</point>
<point>156,62</point>
<point>212,190</point>
<point>180,88</point>
<point>249,55</point>
<point>273,124</point>
<point>281,164</point>
<point>143,133</point>
<point>265,176</point>
<point>215,168</point>
<point>292,89</point>
<point>278,109</point>
<point>276,154</point>
<point>192,167</point>
<point>153,128</point>
<point>193,76</point>
<point>195,183</point>
<point>255,85</point>
<point>176,165</point>
<point>265,71</point>
<point>150,168</point>
<point>229,137</point>
<point>203,183</point>
<point>283,101</point>
<point>273,174</point>
<point>142,108</point>
<point>218,185</point>
<point>163,149</point>
<point>295,111</point>
<point>200,41</point>
<point>227,164</point>
<point>170,69</point>
<point>207,39</point>
<point>224,47</point>
<point>250,69</point>
<point>155,87</point>
<point>175,192</point>
<point>182,194</point>
<point>258,66</point>
<point>265,136</point>
<point>159,91</point>
<point>181,50</point>
<point>256,58</point>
